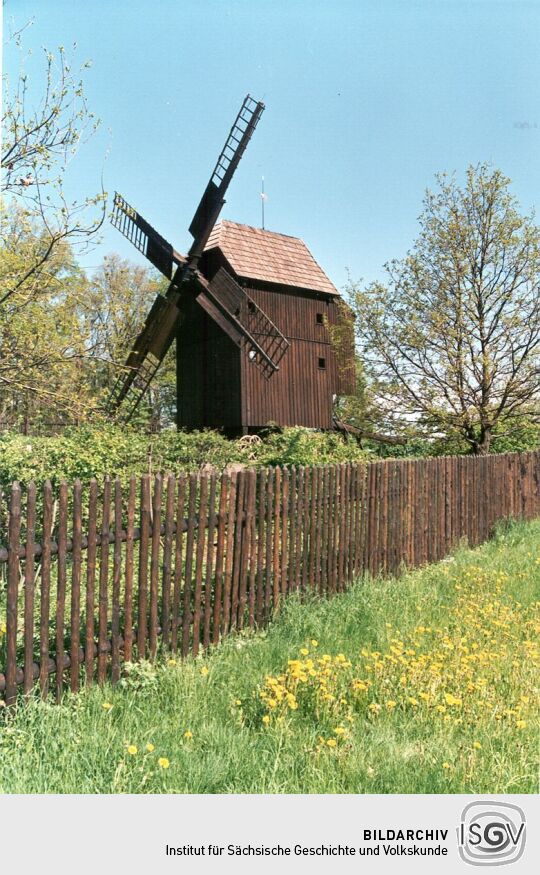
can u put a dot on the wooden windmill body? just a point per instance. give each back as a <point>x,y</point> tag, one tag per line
<point>250,311</point>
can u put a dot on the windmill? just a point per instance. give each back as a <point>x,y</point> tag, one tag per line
<point>223,300</point>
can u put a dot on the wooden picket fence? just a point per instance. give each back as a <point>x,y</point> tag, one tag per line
<point>215,553</point>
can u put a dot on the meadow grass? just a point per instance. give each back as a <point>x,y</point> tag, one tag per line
<point>422,684</point>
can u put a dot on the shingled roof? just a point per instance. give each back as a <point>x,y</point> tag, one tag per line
<point>270,257</point>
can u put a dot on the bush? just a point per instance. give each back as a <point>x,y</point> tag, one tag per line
<point>87,452</point>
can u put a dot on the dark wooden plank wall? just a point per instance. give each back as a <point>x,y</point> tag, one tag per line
<point>175,563</point>
<point>207,374</point>
<point>300,393</point>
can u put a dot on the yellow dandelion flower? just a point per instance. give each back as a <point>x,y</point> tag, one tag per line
<point>391,704</point>
<point>521,724</point>
<point>132,749</point>
<point>304,651</point>
<point>477,745</point>
<point>412,701</point>
<point>188,734</point>
<point>150,747</point>
<point>107,706</point>
<point>163,763</point>
<point>340,730</point>
<point>375,707</point>
<point>266,720</point>
<point>171,662</point>
<point>204,670</point>
<point>238,702</point>
<point>331,742</point>
<point>446,765</point>
<point>314,642</point>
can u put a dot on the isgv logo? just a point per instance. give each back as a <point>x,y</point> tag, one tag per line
<point>491,833</point>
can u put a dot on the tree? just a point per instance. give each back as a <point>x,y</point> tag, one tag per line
<point>41,232</point>
<point>42,345</point>
<point>119,297</point>
<point>40,138</point>
<point>452,341</point>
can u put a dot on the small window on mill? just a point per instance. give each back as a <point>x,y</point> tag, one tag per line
<point>322,364</point>
<point>320,319</point>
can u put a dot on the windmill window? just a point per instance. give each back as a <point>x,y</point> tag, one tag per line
<point>322,364</point>
<point>252,354</point>
<point>320,319</point>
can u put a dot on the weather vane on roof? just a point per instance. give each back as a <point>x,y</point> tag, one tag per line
<point>264,197</point>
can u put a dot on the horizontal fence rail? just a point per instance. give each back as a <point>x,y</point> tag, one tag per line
<point>174,563</point>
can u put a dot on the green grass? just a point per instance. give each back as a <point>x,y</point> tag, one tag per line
<point>463,629</point>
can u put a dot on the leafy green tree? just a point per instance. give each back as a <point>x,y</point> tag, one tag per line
<point>119,297</point>
<point>42,346</point>
<point>451,342</point>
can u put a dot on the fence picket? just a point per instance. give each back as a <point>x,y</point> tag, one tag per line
<point>45,600</point>
<point>261,523</point>
<point>142,593</point>
<point>117,573</point>
<point>29,574</point>
<point>240,546</point>
<point>199,560</point>
<point>61,587</point>
<point>75,621</point>
<point>167,563</point>
<point>220,555</point>
<point>154,565</point>
<point>187,615</point>
<point>210,550</point>
<point>128,579</point>
<point>268,577</point>
<point>14,531</point>
<point>229,554</point>
<point>178,562</point>
<point>104,582</point>
<point>90,583</point>
<point>251,550</point>
<point>239,524</point>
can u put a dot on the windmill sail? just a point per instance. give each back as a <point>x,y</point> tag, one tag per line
<point>265,343</point>
<point>149,350</point>
<point>223,299</point>
<point>206,214</point>
<point>145,238</point>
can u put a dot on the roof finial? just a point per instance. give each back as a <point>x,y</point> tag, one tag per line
<point>264,197</point>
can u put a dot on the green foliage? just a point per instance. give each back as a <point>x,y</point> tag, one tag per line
<point>94,451</point>
<point>301,446</point>
<point>520,436</point>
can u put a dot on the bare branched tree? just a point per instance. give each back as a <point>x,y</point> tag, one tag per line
<point>42,229</point>
<point>452,341</point>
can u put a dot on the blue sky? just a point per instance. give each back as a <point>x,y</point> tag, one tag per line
<point>366,101</point>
